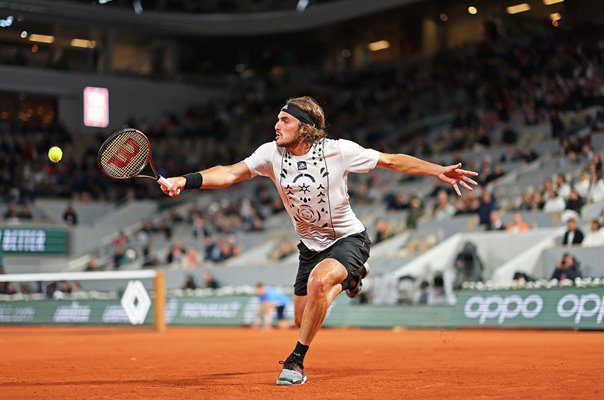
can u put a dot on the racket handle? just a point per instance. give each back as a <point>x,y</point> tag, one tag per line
<point>164,182</point>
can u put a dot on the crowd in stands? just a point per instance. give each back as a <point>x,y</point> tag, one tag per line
<point>492,86</point>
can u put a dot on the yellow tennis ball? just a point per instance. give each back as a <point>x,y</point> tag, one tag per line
<point>55,154</point>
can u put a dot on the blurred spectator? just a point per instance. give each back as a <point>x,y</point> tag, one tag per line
<point>189,283</point>
<point>416,211</point>
<point>11,216</point>
<point>526,204</point>
<point>209,281</point>
<point>440,293</point>
<point>562,187</point>
<point>574,202</point>
<point>424,292</point>
<point>496,174</point>
<point>595,237</point>
<point>468,266</point>
<point>177,253</point>
<point>573,235</point>
<point>383,230</point>
<point>119,256</point>
<point>443,209</point>
<point>272,301</point>
<point>553,202</point>
<point>284,249</point>
<point>567,268</point>
<point>92,265</point>
<point>582,185</point>
<point>517,225</point>
<point>191,258</point>
<point>495,222</point>
<point>521,277</point>
<point>596,188</point>
<point>487,205</point>
<point>70,216</point>
<point>528,154</point>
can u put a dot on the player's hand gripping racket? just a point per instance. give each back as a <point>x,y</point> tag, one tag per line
<point>125,154</point>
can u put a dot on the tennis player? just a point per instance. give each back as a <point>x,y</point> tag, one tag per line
<point>310,172</point>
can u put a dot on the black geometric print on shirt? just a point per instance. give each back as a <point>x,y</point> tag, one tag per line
<point>307,196</point>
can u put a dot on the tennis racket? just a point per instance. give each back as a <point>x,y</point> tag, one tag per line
<point>125,154</point>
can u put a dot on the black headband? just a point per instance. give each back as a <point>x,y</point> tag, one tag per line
<point>299,113</point>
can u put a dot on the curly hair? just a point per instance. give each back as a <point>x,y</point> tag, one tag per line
<point>312,133</point>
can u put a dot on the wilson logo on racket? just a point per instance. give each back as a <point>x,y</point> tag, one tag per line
<point>124,156</point>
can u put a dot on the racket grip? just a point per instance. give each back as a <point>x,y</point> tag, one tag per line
<point>164,182</point>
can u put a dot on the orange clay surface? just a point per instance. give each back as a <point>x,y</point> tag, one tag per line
<point>221,363</point>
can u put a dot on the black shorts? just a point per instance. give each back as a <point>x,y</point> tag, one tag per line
<point>280,313</point>
<point>352,252</point>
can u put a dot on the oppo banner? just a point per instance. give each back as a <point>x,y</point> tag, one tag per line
<point>549,308</point>
<point>572,308</point>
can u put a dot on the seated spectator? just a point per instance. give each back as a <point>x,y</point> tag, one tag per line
<point>176,254</point>
<point>443,208</point>
<point>11,217</point>
<point>596,188</point>
<point>567,268</point>
<point>553,203</point>
<point>582,185</point>
<point>189,283</point>
<point>487,204</point>
<point>574,202</point>
<point>528,154</point>
<point>191,258</point>
<point>416,211</point>
<point>200,230</point>
<point>440,293</point>
<point>209,281</point>
<point>595,237</point>
<point>495,222</point>
<point>383,231</point>
<point>562,187</point>
<point>496,174</point>
<point>517,225</point>
<point>70,216</point>
<point>573,235</point>
<point>526,203</point>
<point>521,277</point>
<point>284,249</point>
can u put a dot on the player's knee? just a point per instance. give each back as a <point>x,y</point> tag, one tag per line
<point>317,286</point>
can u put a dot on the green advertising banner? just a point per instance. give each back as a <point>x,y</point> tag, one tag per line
<point>570,308</point>
<point>33,241</point>
<point>574,308</point>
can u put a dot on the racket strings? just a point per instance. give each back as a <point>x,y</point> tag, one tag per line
<point>125,155</point>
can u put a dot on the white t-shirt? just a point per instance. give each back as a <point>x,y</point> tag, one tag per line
<point>314,187</point>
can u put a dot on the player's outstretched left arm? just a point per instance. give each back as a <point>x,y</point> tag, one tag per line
<point>450,174</point>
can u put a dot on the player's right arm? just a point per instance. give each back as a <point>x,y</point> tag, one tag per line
<point>217,177</point>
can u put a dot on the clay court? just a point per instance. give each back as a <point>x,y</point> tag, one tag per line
<point>220,363</point>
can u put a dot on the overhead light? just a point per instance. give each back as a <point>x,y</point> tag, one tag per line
<point>104,1</point>
<point>473,10</point>
<point>302,5</point>
<point>518,8</point>
<point>83,43</point>
<point>379,45</point>
<point>444,17</point>
<point>555,16</point>
<point>5,23</point>
<point>550,2</point>
<point>23,34</point>
<point>34,37</point>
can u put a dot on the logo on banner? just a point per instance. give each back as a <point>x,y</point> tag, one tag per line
<point>136,302</point>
